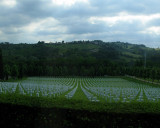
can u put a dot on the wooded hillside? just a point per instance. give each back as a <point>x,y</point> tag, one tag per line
<point>79,58</point>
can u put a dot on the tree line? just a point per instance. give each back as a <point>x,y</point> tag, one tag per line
<point>76,59</point>
<point>1,66</point>
<point>110,69</point>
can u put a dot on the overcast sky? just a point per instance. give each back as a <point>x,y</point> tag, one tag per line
<point>28,21</point>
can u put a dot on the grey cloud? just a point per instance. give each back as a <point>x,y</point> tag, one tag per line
<point>14,20</point>
<point>112,7</point>
<point>75,20</point>
<point>48,33</point>
<point>80,25</point>
<point>33,8</point>
<point>155,22</point>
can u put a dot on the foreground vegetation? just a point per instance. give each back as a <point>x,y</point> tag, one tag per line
<point>143,107</point>
<point>27,117</point>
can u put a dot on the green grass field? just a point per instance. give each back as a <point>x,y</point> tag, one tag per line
<point>94,94</point>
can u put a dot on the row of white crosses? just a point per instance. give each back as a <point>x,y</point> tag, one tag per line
<point>71,93</point>
<point>152,94</point>
<point>46,86</point>
<point>8,87</point>
<point>119,90</point>
<point>113,93</point>
<point>88,94</point>
<point>111,89</point>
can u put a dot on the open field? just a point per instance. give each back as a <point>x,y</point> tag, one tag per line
<point>102,94</point>
<point>79,102</point>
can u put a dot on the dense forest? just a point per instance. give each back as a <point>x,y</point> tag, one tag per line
<point>78,58</point>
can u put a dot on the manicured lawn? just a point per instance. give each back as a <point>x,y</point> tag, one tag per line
<point>98,94</point>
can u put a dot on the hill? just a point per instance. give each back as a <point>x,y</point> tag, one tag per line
<point>77,58</point>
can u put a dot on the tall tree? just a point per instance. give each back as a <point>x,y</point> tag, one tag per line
<point>1,66</point>
<point>158,74</point>
<point>14,71</point>
<point>21,72</point>
<point>7,71</point>
<point>153,74</point>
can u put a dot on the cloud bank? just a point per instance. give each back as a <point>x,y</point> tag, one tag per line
<point>131,21</point>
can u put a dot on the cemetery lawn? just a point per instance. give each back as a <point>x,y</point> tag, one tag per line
<point>80,101</point>
<point>96,103</point>
<point>81,104</point>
